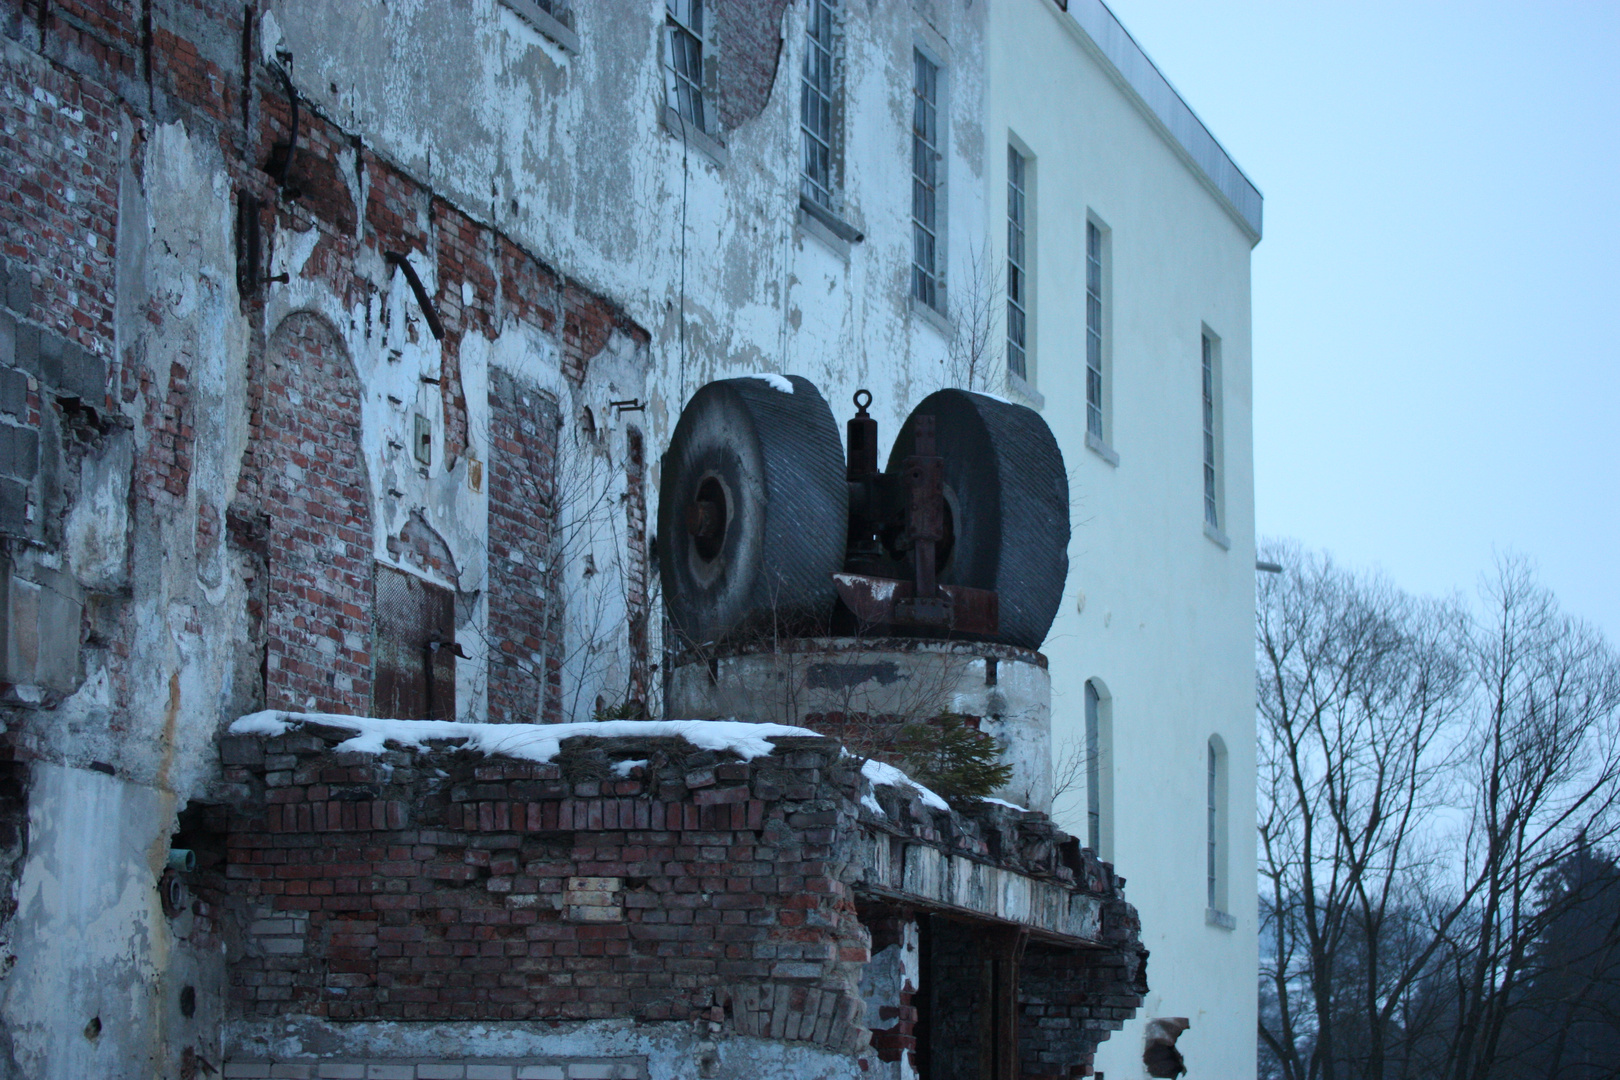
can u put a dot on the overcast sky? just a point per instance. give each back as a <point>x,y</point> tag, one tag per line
<point>1437,297</point>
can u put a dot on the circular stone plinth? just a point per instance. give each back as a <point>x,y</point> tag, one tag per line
<point>847,687</point>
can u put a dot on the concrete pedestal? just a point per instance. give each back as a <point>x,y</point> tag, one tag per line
<point>832,684</point>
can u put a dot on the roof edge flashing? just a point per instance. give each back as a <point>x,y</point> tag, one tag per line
<point>1137,72</point>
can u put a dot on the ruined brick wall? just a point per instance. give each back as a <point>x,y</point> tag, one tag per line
<point>1069,1002</point>
<point>750,39</point>
<point>894,1035</point>
<point>525,666</point>
<point>694,888</point>
<point>58,231</point>
<point>60,210</point>
<point>957,1027</point>
<point>318,500</point>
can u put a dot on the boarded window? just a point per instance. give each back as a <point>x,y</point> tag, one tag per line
<point>414,652</point>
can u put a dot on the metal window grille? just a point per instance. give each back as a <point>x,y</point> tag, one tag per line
<point>1093,769</point>
<point>816,105</point>
<point>1017,275</point>
<point>684,75</point>
<point>1211,511</point>
<point>925,180</point>
<point>1094,331</point>
<point>1212,810</point>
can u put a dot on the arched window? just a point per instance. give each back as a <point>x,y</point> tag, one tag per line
<point>1215,811</point>
<point>1099,770</point>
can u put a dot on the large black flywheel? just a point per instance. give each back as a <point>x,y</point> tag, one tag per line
<point>752,510</point>
<point>1007,506</point>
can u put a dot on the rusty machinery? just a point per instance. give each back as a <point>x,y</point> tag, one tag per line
<point>764,524</point>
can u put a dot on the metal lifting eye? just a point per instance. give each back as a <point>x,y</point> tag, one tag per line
<point>859,404</point>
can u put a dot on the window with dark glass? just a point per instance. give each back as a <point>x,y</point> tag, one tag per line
<point>1017,274</point>
<point>1211,505</point>
<point>816,106</point>
<point>1093,767</point>
<point>925,169</point>
<point>683,77</point>
<point>1094,331</point>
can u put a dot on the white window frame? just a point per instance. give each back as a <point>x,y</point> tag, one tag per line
<point>686,92</point>
<point>553,18</point>
<point>1212,438</point>
<point>819,93</point>
<point>1099,362</point>
<point>928,217</point>
<point>1099,749</point>
<point>1019,246</point>
<point>1217,802</point>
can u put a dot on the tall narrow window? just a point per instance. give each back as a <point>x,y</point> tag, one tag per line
<point>816,105</point>
<point>1212,511</point>
<point>1212,812</point>
<point>683,78</point>
<point>925,168</point>
<point>1017,275</point>
<point>1215,837</point>
<point>1094,332</point>
<point>1093,767</point>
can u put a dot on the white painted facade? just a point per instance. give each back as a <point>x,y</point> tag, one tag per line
<point>1159,609</point>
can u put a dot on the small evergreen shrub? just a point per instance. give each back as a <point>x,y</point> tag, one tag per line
<point>951,757</point>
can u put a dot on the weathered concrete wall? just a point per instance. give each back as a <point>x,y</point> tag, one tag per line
<point>839,685</point>
<point>569,153</point>
<point>566,1050</point>
<point>185,496</point>
<point>206,446</point>
<point>101,974</point>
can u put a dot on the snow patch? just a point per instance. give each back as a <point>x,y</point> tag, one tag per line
<point>531,742</point>
<point>776,382</point>
<point>1004,802</point>
<point>623,769</point>
<point>882,773</point>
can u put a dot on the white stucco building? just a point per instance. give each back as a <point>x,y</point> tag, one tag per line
<point>1137,229</point>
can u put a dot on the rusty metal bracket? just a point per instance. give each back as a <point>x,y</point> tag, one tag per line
<point>422,300</point>
<point>880,601</point>
<point>925,515</point>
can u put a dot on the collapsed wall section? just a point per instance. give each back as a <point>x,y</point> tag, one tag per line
<point>447,886</point>
<point>640,880</point>
<point>216,376</point>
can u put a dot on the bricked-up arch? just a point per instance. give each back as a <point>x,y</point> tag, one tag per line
<point>525,625</point>
<point>317,499</point>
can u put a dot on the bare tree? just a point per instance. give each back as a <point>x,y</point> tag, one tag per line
<point>1071,765</point>
<point>976,326</point>
<point>1422,769</point>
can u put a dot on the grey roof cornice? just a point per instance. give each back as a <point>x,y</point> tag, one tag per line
<point>1153,92</point>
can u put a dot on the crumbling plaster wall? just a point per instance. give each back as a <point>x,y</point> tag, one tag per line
<point>97,965</point>
<point>569,154</point>
<point>563,152</point>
